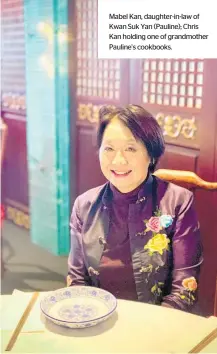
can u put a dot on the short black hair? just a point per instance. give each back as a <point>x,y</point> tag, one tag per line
<point>141,123</point>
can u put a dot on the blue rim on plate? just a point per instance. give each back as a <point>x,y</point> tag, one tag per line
<point>66,290</point>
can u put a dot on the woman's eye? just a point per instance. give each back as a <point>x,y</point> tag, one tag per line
<point>108,148</point>
<point>131,149</point>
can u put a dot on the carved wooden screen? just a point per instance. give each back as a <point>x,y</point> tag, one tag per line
<point>13,57</point>
<point>13,110</point>
<point>98,82</point>
<point>179,93</point>
<point>172,90</point>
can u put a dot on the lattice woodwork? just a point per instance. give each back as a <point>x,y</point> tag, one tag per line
<point>172,82</point>
<point>13,54</point>
<point>95,77</point>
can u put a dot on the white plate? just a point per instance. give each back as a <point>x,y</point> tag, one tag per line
<point>78,306</point>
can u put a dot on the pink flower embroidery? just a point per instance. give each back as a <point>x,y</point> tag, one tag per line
<point>153,224</point>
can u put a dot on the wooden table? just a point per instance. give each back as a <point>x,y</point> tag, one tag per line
<point>134,328</point>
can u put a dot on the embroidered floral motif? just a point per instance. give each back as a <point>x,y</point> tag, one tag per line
<point>156,223</point>
<point>153,224</point>
<point>147,269</point>
<point>190,286</point>
<point>156,289</point>
<point>158,243</point>
<point>158,212</point>
<point>166,220</point>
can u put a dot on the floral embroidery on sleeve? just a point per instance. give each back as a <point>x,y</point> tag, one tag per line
<point>190,284</point>
<point>156,289</point>
<point>189,288</point>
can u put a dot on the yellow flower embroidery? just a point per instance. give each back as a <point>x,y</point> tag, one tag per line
<point>156,289</point>
<point>147,269</point>
<point>190,284</point>
<point>158,243</point>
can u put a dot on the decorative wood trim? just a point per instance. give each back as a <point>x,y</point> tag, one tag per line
<point>88,112</point>
<point>14,102</point>
<point>14,115</point>
<point>17,213</point>
<point>17,205</point>
<point>174,125</point>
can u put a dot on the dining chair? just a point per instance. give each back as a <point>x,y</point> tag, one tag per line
<point>4,135</point>
<point>191,181</point>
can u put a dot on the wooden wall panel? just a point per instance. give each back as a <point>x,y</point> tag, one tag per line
<point>15,177</point>
<point>13,55</point>
<point>89,172</point>
<point>13,111</point>
<point>98,82</point>
<point>15,172</point>
<point>206,202</point>
<point>177,158</point>
<point>171,89</point>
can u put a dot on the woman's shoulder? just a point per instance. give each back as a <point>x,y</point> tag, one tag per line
<point>91,195</point>
<point>172,187</point>
<point>173,194</point>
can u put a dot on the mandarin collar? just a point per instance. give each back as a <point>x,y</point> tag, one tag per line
<point>144,191</point>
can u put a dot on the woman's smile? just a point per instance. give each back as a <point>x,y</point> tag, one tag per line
<point>119,174</point>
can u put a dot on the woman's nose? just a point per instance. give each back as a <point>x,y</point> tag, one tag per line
<point>119,159</point>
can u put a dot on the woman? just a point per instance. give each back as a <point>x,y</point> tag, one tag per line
<point>136,236</point>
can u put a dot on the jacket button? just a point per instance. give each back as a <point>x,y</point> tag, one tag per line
<point>102,241</point>
<point>141,200</point>
<point>92,271</point>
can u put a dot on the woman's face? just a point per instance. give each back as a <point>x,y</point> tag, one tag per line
<point>124,160</point>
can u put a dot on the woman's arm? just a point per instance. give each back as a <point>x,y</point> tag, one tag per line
<point>76,267</point>
<point>187,258</point>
